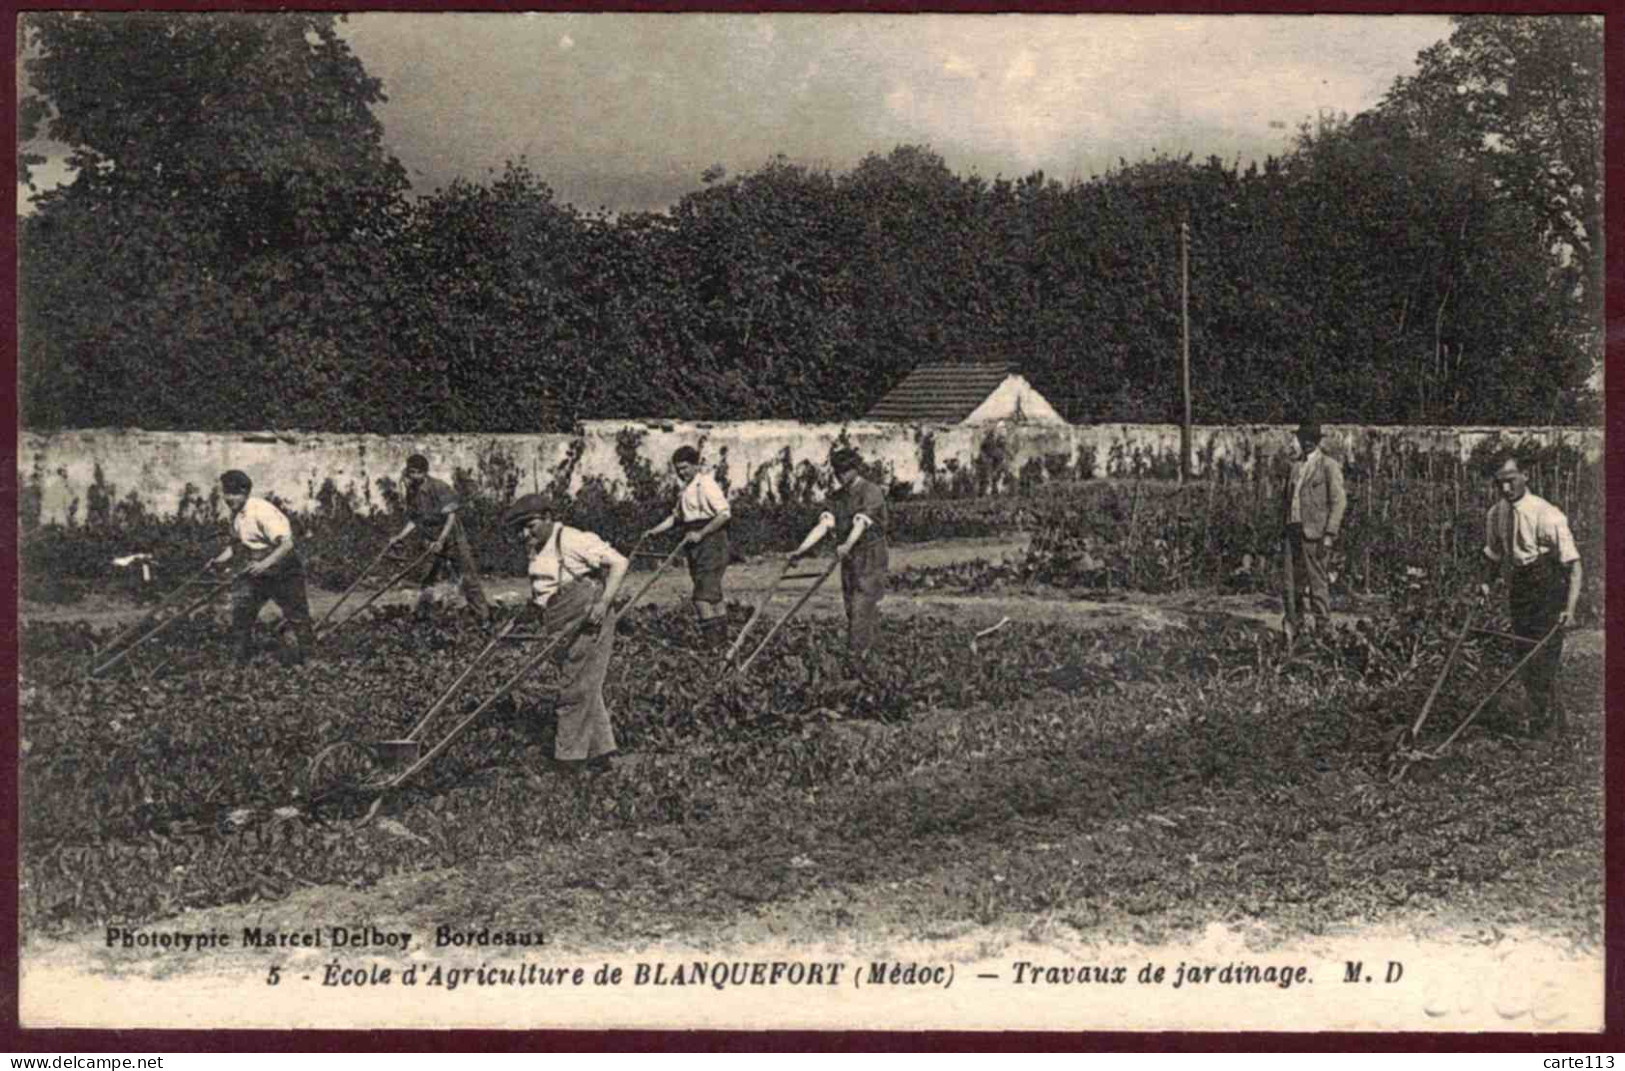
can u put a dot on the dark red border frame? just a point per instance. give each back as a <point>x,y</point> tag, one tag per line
<point>15,1039</point>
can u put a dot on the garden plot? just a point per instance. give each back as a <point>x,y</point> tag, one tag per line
<point>1097,780</point>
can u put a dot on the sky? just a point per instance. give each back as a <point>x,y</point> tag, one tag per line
<point>625,111</point>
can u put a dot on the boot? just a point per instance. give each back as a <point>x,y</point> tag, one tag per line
<point>306,637</point>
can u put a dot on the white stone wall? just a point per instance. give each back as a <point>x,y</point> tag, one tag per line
<point>158,466</point>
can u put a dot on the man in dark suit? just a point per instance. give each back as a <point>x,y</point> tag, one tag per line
<point>1312,506</point>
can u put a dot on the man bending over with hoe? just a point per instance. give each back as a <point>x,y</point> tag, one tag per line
<point>275,572</point>
<point>702,511</point>
<point>860,518</point>
<point>574,577</point>
<point>1527,543</point>
<point>433,506</point>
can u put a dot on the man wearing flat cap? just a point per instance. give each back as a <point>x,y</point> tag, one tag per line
<point>574,578</point>
<point>275,572</point>
<point>432,506</point>
<point>860,518</point>
<point>1312,507</point>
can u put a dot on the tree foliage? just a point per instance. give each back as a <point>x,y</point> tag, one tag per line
<point>229,194</point>
<point>1521,97</point>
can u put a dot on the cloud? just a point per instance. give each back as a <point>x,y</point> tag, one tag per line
<point>566,43</point>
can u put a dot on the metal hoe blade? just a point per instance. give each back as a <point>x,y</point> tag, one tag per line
<point>524,670</point>
<point>1482,703</point>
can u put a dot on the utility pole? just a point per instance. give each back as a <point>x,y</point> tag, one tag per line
<point>1185,349</point>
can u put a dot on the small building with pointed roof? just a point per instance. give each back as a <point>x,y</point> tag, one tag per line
<point>964,393</point>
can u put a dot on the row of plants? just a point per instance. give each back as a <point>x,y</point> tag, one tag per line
<point>1411,514</point>
<point>1160,536</point>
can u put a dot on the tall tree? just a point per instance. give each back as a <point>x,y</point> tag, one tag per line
<point>229,196</point>
<point>1523,95</point>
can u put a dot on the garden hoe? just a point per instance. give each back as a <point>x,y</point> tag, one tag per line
<point>141,622</point>
<point>799,603</point>
<point>331,610</point>
<point>755,614</point>
<point>207,597</point>
<point>1405,741</point>
<point>1408,757</point>
<point>388,764</point>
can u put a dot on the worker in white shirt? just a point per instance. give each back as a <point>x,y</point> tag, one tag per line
<point>702,513</point>
<point>1528,544</point>
<point>859,518</point>
<point>275,572</point>
<point>574,578</point>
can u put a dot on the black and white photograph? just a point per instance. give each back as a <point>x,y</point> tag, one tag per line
<point>810,521</point>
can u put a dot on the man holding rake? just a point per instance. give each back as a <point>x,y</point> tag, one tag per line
<point>1528,544</point>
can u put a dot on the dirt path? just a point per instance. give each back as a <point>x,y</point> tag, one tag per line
<point>744,579</point>
<point>747,580</point>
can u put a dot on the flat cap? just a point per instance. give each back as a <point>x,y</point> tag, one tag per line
<point>525,508</point>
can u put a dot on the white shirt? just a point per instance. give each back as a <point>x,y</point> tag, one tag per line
<point>1294,516</point>
<point>259,525</point>
<point>1532,526</point>
<point>564,557</point>
<point>701,500</point>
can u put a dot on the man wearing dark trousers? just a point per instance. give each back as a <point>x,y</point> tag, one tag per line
<point>860,519</point>
<point>1527,543</point>
<point>275,572</point>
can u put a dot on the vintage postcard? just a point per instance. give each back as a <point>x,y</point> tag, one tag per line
<point>811,521</point>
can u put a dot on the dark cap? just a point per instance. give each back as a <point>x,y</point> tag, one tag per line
<point>526,508</point>
<point>845,459</point>
<point>685,454</point>
<point>236,482</point>
<point>417,463</point>
<point>1309,429</point>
